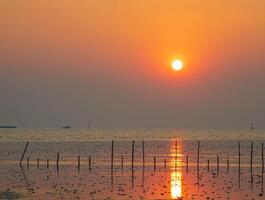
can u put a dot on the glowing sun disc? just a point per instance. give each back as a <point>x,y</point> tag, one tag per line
<point>177,65</point>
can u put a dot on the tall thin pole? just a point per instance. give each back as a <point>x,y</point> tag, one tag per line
<point>57,161</point>
<point>143,151</point>
<point>112,152</point>
<point>78,163</point>
<point>251,157</point>
<point>217,159</point>
<point>133,164</point>
<point>187,164</point>
<point>154,164</point>
<point>176,154</point>
<point>227,170</point>
<point>25,149</point>
<point>198,156</point>
<point>132,155</point>
<point>122,163</point>
<point>262,168</point>
<point>239,157</point>
<point>112,147</point>
<point>262,156</point>
<point>27,163</point>
<point>89,163</point>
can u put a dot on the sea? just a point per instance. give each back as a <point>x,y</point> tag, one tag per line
<point>132,163</point>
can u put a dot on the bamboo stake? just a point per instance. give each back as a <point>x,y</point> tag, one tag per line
<point>251,157</point>
<point>154,164</point>
<point>112,146</point>
<point>78,163</point>
<point>23,153</point>
<point>176,154</point>
<point>228,165</point>
<point>89,163</point>
<point>132,155</point>
<point>133,164</point>
<point>217,160</point>
<point>239,156</point>
<point>187,164</point>
<point>143,154</point>
<point>57,161</point>
<point>198,156</point>
<point>262,156</point>
<point>27,163</point>
<point>122,163</point>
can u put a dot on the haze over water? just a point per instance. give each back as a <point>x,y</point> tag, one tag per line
<point>56,135</point>
<point>171,93</point>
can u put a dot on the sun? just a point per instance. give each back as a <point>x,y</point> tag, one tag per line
<point>177,65</point>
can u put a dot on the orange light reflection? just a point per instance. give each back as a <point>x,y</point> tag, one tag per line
<point>176,173</point>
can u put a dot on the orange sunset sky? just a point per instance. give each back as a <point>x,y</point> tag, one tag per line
<point>109,61</point>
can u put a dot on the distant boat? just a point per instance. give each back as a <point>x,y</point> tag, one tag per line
<point>252,126</point>
<point>8,127</point>
<point>66,127</point>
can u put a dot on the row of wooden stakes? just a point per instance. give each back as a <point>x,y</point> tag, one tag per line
<point>155,159</point>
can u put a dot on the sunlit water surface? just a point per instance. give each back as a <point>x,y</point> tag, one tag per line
<point>163,174</point>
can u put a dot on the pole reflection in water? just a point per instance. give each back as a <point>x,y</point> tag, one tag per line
<point>176,172</point>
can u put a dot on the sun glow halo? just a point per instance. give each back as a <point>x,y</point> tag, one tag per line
<point>177,65</point>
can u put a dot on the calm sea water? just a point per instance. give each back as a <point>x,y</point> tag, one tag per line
<point>63,135</point>
<point>165,183</point>
<point>45,143</point>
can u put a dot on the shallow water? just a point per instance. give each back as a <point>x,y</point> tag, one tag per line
<point>53,135</point>
<point>148,181</point>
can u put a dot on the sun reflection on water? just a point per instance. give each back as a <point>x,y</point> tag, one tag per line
<point>176,173</point>
<point>176,189</point>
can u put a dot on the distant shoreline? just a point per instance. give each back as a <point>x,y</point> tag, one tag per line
<point>8,127</point>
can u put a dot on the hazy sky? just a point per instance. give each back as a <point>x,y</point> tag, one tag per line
<point>67,61</point>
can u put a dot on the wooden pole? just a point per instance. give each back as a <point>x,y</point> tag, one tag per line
<point>132,155</point>
<point>154,164</point>
<point>228,165</point>
<point>187,164</point>
<point>143,153</point>
<point>239,156</point>
<point>262,156</point>
<point>198,156</point>
<point>133,164</point>
<point>176,154</point>
<point>165,164</point>
<point>23,153</point>
<point>78,163</point>
<point>89,163</point>
<point>47,163</point>
<point>112,152</point>
<point>217,160</point>
<point>251,157</point>
<point>57,161</point>
<point>208,165</point>
<point>122,163</point>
